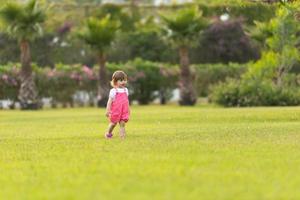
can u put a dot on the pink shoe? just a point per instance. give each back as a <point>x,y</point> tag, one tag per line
<point>108,135</point>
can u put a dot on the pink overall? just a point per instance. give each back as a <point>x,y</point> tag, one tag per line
<point>119,108</point>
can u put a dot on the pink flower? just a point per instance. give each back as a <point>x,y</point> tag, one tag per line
<point>89,72</point>
<point>73,75</point>
<point>4,77</point>
<point>76,76</point>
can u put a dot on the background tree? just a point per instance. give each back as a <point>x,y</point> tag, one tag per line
<point>281,40</point>
<point>23,22</point>
<point>99,34</point>
<point>183,29</point>
<point>224,42</point>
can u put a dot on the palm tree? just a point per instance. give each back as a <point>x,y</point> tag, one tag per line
<point>99,34</point>
<point>23,23</point>
<point>183,29</point>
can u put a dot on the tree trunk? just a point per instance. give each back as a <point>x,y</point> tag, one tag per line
<point>12,106</point>
<point>103,87</point>
<point>28,92</point>
<point>187,91</point>
<point>162,97</point>
<point>53,103</point>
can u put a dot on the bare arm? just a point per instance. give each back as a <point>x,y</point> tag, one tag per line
<point>108,107</point>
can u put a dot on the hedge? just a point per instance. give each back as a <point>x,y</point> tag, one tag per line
<point>147,80</point>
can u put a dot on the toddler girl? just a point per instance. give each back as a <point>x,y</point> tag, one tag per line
<point>117,109</point>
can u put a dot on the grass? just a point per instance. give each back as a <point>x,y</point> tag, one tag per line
<point>170,153</point>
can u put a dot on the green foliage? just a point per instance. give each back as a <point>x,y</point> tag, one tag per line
<point>117,13</point>
<point>281,39</point>
<point>209,74</point>
<point>148,45</point>
<point>249,11</point>
<point>261,31</point>
<point>145,42</point>
<point>280,31</point>
<point>234,92</point>
<point>263,68</point>
<point>184,27</point>
<point>257,88</point>
<point>23,21</point>
<point>265,83</point>
<point>267,67</point>
<point>147,81</point>
<point>284,29</point>
<point>99,34</point>
<point>222,2</point>
<point>227,93</point>
<point>9,82</point>
<point>148,24</point>
<point>71,78</point>
<point>9,49</point>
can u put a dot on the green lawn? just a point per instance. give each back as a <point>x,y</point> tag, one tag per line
<point>169,153</point>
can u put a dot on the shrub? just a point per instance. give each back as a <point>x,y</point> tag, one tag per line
<point>209,74</point>
<point>226,94</point>
<point>225,42</point>
<point>9,83</point>
<point>71,78</point>
<point>147,80</point>
<point>235,92</point>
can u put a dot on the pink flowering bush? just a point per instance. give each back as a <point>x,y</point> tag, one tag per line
<point>62,82</point>
<point>9,83</point>
<point>146,81</point>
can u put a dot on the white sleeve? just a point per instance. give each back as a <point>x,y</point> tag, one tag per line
<point>126,90</point>
<point>112,93</point>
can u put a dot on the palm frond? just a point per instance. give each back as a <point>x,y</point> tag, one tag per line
<point>31,6</point>
<point>99,33</point>
<point>11,13</point>
<point>23,21</point>
<point>184,26</point>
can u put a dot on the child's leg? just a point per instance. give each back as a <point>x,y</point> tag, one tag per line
<point>122,129</point>
<point>111,127</point>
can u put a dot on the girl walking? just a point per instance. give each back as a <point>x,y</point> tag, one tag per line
<point>117,109</point>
